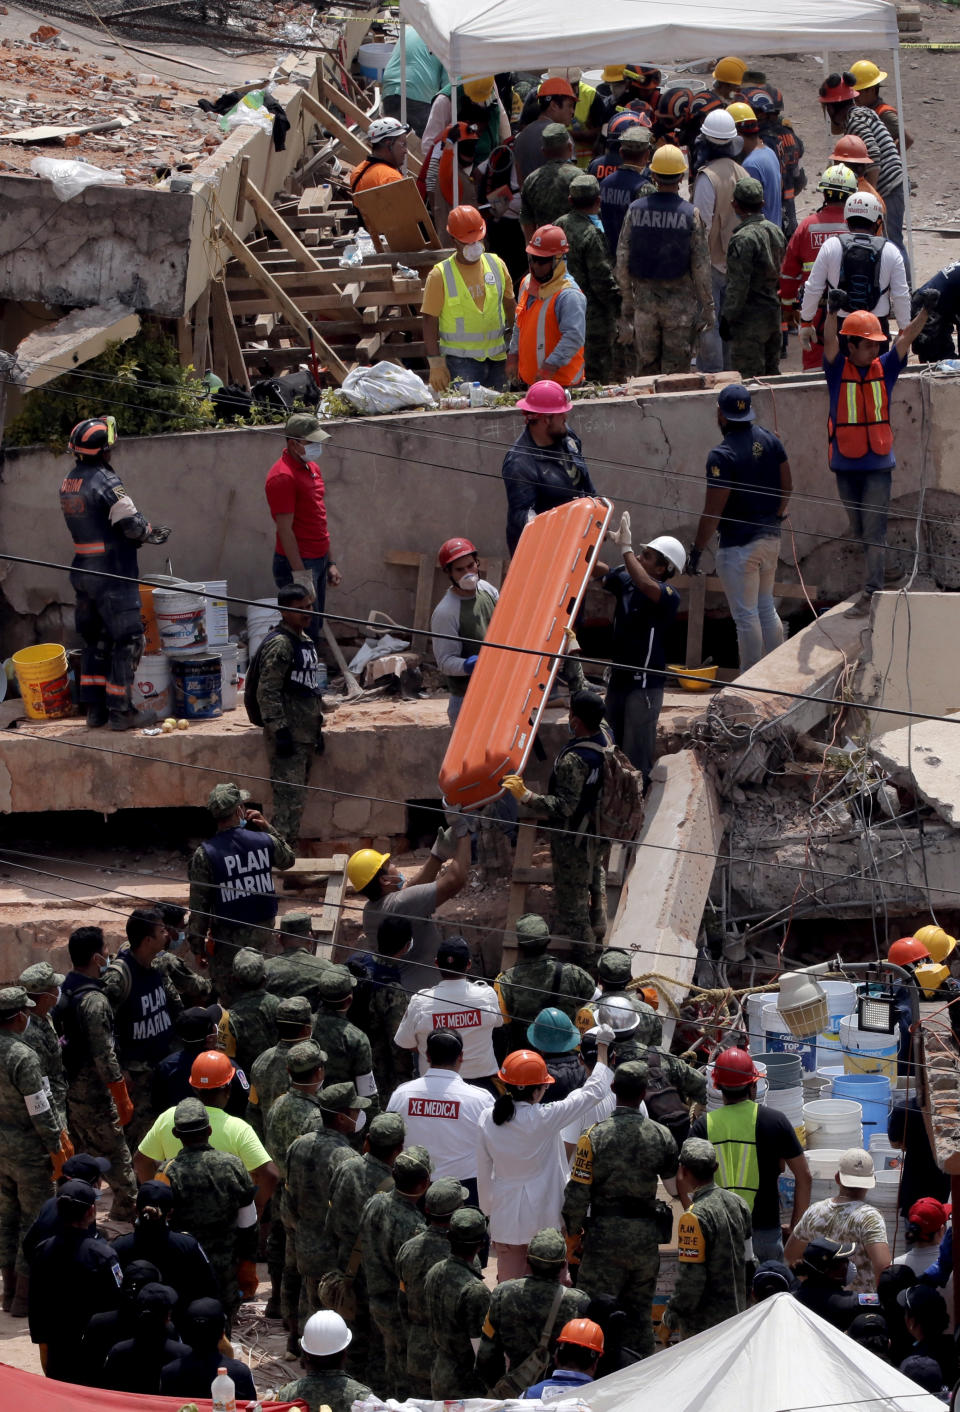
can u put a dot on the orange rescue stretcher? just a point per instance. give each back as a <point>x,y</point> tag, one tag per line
<point>508,690</point>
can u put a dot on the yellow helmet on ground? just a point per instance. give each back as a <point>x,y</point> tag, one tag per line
<point>363,866</point>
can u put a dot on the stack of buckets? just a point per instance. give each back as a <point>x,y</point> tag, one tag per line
<point>179,674</point>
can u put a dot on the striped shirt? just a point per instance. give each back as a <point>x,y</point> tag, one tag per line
<point>864,123</point>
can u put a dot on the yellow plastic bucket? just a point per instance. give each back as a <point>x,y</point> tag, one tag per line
<point>42,676</point>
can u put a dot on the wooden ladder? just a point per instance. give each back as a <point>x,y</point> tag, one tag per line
<point>332,873</point>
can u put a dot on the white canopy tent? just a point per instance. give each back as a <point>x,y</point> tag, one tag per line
<point>776,1357</point>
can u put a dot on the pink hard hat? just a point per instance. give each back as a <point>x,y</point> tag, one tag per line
<point>545,399</point>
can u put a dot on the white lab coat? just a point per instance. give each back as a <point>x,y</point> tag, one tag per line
<point>522,1166</point>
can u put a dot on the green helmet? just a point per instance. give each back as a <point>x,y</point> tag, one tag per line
<point>838,178</point>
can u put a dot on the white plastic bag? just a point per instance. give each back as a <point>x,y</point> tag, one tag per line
<point>371,649</point>
<point>249,112</point>
<point>69,178</point>
<point>386,388</point>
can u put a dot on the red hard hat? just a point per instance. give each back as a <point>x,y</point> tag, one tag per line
<point>555,88</point>
<point>547,241</point>
<point>211,1069</point>
<point>454,549</point>
<point>851,149</point>
<point>734,1068</point>
<point>545,399</point>
<point>840,92</point>
<point>907,950</point>
<point>525,1068</point>
<point>860,324</point>
<point>584,1332</point>
<point>466,223</point>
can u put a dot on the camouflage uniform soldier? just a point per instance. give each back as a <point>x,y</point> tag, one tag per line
<point>579,858</point>
<point>387,1005</point>
<point>296,971</point>
<point>349,1057</point>
<point>214,1202</point>
<point>589,263</point>
<point>457,1301</point>
<point>352,1186</point>
<point>249,1027</point>
<point>415,1259</point>
<point>311,1162</point>
<point>325,1342</point>
<point>42,983</point>
<point>269,1076</point>
<point>193,989</point>
<point>30,1139</point>
<point>615,1173</point>
<point>751,302</point>
<point>543,196</point>
<point>232,897</point>
<point>663,270</point>
<point>287,672</point>
<point>714,1242</point>
<point>519,1309</point>
<point>672,1084</point>
<point>520,989</point>
<point>388,1221</point>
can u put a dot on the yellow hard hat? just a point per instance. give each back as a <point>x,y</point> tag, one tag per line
<point>730,70</point>
<point>938,942</point>
<point>480,90</point>
<point>364,865</point>
<point>614,73</point>
<point>742,113</point>
<point>867,74</point>
<point>668,161</point>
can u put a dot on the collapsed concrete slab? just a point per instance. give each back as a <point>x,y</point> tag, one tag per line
<point>666,888</point>
<point>925,756</point>
<point>908,630</point>
<point>58,347</point>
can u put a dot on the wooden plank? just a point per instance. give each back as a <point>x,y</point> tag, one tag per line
<point>697,602</point>
<point>715,585</point>
<point>308,303</point>
<point>348,140</point>
<point>367,348</point>
<point>332,96</point>
<point>315,199</point>
<point>310,867</point>
<point>423,604</point>
<point>312,281</point>
<point>328,925</point>
<point>226,337</point>
<point>517,898</point>
<point>51,133</point>
<point>301,323</point>
<point>269,217</point>
<point>201,331</point>
<point>396,217</point>
<point>242,191</point>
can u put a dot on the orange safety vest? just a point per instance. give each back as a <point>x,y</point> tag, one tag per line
<point>538,335</point>
<point>862,422</point>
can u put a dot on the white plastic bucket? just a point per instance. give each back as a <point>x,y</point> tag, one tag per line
<point>217,616</point>
<point>261,617</point>
<point>228,675</point>
<point>832,1123</point>
<point>755,1005</point>
<point>841,1000</point>
<point>181,619</point>
<point>373,59</point>
<point>866,1053</point>
<point>777,1035</point>
<point>151,685</point>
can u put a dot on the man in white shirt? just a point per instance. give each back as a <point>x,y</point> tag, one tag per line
<point>844,260</point>
<point>470,1008</point>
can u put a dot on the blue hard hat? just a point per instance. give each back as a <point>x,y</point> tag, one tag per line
<point>553,1032</point>
<point>734,403</point>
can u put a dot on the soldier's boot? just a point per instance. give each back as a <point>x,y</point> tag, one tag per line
<point>293,1336</point>
<point>20,1306</point>
<point>131,720</point>
<point>9,1287</point>
<point>97,715</point>
<point>274,1308</point>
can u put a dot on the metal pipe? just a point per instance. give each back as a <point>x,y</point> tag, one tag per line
<point>403,71</point>
<point>454,84</point>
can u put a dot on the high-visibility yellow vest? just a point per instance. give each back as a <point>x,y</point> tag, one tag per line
<point>733,1131</point>
<point>465,330</point>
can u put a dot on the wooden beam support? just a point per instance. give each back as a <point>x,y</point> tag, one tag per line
<point>348,140</point>
<point>226,339</point>
<point>332,95</point>
<point>271,218</point>
<point>201,331</point>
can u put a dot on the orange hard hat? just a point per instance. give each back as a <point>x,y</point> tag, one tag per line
<point>547,241</point>
<point>907,950</point>
<point>524,1068</point>
<point>851,149</point>
<point>839,91</point>
<point>211,1069</point>
<point>452,549</point>
<point>466,223</point>
<point>651,995</point>
<point>555,88</point>
<point>860,324</point>
<point>584,1332</point>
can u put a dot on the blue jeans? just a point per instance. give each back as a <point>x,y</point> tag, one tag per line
<point>713,354</point>
<point>282,573</point>
<point>866,495</point>
<point>485,372</point>
<point>453,707</point>
<point>747,572</point>
<point>768,1245</point>
<point>893,224</point>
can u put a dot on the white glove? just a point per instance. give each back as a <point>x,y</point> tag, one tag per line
<point>570,642</point>
<point>445,845</point>
<point>622,535</point>
<point>457,821</point>
<point>304,577</point>
<point>808,337</point>
<point>605,1034</point>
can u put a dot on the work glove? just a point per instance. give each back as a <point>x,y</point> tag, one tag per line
<point>283,743</point>
<point>514,785</point>
<point>304,577</point>
<point>836,301</point>
<point>445,844</point>
<point>622,536</point>
<point>457,822</point>
<point>570,642</point>
<point>439,373</point>
<point>159,534</point>
<point>625,332</point>
<point>66,1146</point>
<point>605,1035</point>
<point>928,299</point>
<point>693,559</point>
<point>247,1278</point>
<point>118,1092</point>
<point>723,329</point>
<point>808,337</point>
<point>574,1244</point>
<point>469,663</point>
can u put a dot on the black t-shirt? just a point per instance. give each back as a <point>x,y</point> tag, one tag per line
<point>748,461</point>
<point>776,1141</point>
<point>639,624</point>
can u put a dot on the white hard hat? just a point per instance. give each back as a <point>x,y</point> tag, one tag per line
<point>719,126</point>
<point>325,1333</point>
<point>618,1012</point>
<point>863,204</point>
<point>383,129</point>
<point>671,549</point>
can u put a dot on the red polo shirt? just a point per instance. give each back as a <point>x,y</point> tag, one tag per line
<point>297,490</point>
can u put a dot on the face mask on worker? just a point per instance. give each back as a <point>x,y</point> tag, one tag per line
<point>175,942</point>
<point>468,584</point>
<point>360,1122</point>
<point>313,450</point>
<point>401,881</point>
<point>472,252</point>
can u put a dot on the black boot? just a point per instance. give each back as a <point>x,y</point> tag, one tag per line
<point>131,720</point>
<point>97,715</point>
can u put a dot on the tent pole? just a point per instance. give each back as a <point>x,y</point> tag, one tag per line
<point>907,208</point>
<point>454,83</point>
<point>403,71</point>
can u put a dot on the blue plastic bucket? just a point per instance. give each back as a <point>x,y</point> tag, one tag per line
<point>777,1036</point>
<point>872,1092</point>
<point>197,686</point>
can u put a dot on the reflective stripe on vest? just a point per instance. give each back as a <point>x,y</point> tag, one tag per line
<point>465,330</point>
<point>862,422</point>
<point>538,335</point>
<point>733,1131</point>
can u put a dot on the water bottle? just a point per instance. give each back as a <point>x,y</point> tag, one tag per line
<point>223,1392</point>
